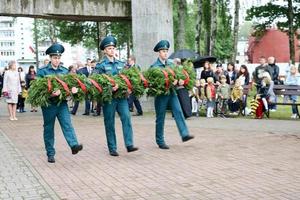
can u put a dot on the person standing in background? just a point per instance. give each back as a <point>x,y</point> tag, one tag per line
<point>30,76</point>
<point>274,73</point>
<point>132,99</point>
<point>11,89</point>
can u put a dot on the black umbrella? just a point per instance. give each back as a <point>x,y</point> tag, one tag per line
<point>199,62</point>
<point>183,54</point>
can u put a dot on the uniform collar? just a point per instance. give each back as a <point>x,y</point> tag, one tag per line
<point>162,63</point>
<point>106,60</point>
<point>49,66</point>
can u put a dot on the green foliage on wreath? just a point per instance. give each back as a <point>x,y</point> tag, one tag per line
<point>157,81</point>
<point>106,94</point>
<point>133,74</point>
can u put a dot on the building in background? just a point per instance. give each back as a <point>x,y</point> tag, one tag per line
<point>273,43</point>
<point>17,43</point>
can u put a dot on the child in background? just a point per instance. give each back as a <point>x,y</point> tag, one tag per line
<point>266,90</point>
<point>22,97</point>
<point>223,94</point>
<point>265,95</point>
<point>293,78</point>
<point>195,97</point>
<point>210,92</point>
<point>202,99</point>
<point>236,96</point>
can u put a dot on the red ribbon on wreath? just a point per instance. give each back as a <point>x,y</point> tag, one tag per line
<point>82,86</point>
<point>112,81</point>
<point>127,81</point>
<point>187,80</point>
<point>49,85</point>
<point>65,86</point>
<point>171,71</point>
<point>99,88</point>
<point>166,79</point>
<point>144,80</point>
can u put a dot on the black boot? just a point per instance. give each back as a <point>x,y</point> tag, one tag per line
<point>187,138</point>
<point>113,153</point>
<point>51,159</point>
<point>163,146</point>
<point>75,149</point>
<point>131,148</point>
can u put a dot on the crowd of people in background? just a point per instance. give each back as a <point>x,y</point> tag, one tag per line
<point>218,89</point>
<point>224,86</point>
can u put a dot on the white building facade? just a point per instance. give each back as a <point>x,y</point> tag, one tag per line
<point>17,43</point>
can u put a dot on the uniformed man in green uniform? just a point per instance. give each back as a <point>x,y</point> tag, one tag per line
<point>54,110</point>
<point>110,65</point>
<point>161,102</point>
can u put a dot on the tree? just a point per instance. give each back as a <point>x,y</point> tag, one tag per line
<point>198,26</point>
<point>235,29</point>
<point>88,34</point>
<point>224,39</point>
<point>46,30</point>
<point>207,24</point>
<point>213,32</point>
<point>180,37</point>
<point>123,32</point>
<point>286,17</point>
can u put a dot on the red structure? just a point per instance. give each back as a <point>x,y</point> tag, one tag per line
<point>273,43</point>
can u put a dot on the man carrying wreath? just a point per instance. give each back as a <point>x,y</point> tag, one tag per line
<point>110,65</point>
<point>161,102</point>
<point>61,111</point>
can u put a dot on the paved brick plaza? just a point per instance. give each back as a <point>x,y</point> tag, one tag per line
<point>228,159</point>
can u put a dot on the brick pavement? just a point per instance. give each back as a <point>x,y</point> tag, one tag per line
<point>18,179</point>
<point>228,159</point>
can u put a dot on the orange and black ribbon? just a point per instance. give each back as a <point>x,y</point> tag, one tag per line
<point>64,85</point>
<point>112,81</point>
<point>167,82</point>
<point>187,80</point>
<point>99,88</point>
<point>127,81</point>
<point>49,85</point>
<point>171,71</point>
<point>145,82</point>
<point>82,86</point>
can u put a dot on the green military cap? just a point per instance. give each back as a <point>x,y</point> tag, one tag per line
<point>55,49</point>
<point>108,41</point>
<point>163,44</point>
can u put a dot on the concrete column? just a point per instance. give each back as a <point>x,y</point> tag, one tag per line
<point>152,21</point>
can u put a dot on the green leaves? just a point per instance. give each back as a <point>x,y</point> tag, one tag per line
<point>160,81</point>
<point>135,77</point>
<point>157,81</point>
<point>267,14</point>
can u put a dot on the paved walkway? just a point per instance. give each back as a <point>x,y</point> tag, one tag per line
<point>228,159</point>
<point>18,179</point>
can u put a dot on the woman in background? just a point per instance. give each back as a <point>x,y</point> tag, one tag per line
<point>30,76</point>
<point>293,78</point>
<point>231,72</point>
<point>11,89</point>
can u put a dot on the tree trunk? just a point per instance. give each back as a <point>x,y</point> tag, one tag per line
<point>101,29</point>
<point>198,27</point>
<point>291,31</point>
<point>180,38</point>
<point>213,32</point>
<point>235,30</point>
<point>206,14</point>
<point>52,31</point>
